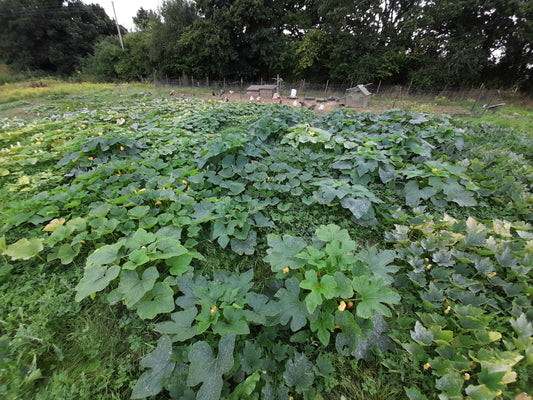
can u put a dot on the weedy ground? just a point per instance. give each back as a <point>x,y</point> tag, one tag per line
<point>179,248</point>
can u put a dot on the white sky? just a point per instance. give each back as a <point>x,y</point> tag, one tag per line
<point>126,9</point>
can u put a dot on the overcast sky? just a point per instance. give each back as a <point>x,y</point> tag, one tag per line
<point>126,9</point>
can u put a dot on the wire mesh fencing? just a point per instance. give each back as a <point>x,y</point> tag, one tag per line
<point>476,101</point>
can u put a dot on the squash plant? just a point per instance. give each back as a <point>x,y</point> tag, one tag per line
<point>169,208</point>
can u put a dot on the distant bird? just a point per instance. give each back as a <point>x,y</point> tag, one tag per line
<point>222,91</point>
<point>258,98</point>
<point>171,93</point>
<point>251,98</point>
<point>295,103</point>
<point>231,92</point>
<point>303,104</point>
<point>312,107</point>
<point>213,93</point>
<point>321,107</point>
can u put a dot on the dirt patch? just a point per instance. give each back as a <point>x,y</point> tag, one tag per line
<point>20,113</point>
<point>299,102</point>
<point>325,107</point>
<point>454,111</point>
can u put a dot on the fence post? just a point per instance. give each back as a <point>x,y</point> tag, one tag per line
<point>397,94</point>
<point>478,98</point>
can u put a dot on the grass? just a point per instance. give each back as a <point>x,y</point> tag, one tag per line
<point>53,89</point>
<point>358,382</point>
<point>67,350</point>
<point>512,116</point>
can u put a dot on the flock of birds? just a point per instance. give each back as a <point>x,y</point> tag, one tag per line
<point>295,103</point>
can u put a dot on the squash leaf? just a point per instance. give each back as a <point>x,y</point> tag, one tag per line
<point>208,370</point>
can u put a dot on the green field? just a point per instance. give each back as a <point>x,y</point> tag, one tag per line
<point>187,249</point>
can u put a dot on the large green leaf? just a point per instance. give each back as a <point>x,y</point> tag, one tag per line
<point>413,393</point>
<point>331,232</point>
<point>282,251</point>
<point>290,306</point>
<point>169,247</point>
<point>319,289</point>
<point>379,263</point>
<point>162,302</point>
<point>24,249</point>
<point>480,392</point>
<point>343,287</point>
<point>132,288</point>
<point>234,322</point>
<point>208,370</point>
<point>323,323</point>
<point>140,238</point>
<point>348,338</point>
<point>66,253</point>
<point>244,390</point>
<point>492,380</point>
<point>180,327</point>
<point>451,384</point>
<point>275,392</point>
<point>421,335</point>
<point>179,264</point>
<point>161,367</point>
<point>138,212</point>
<point>136,258</point>
<point>495,361</point>
<point>252,357</point>
<point>299,373</point>
<point>104,255</point>
<point>475,232</point>
<point>95,279</point>
<point>246,246</point>
<point>374,296</point>
<point>100,211</point>
<point>413,194</point>
<point>358,207</point>
<point>522,326</point>
<point>263,309</point>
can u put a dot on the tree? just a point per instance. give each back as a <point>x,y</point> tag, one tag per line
<point>145,19</point>
<point>50,35</point>
<point>175,17</point>
<point>101,65</point>
<point>513,64</point>
<point>205,50</point>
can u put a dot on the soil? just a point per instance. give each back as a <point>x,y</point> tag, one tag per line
<point>19,112</point>
<point>323,108</point>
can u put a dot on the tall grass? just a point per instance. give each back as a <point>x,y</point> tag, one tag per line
<point>17,91</point>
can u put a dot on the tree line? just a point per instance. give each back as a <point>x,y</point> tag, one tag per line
<point>433,44</point>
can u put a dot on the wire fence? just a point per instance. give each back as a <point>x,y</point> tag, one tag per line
<point>303,88</point>
<point>474,100</point>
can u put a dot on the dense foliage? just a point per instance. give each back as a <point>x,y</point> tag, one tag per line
<point>50,35</point>
<point>432,44</point>
<point>266,250</point>
<point>428,44</point>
